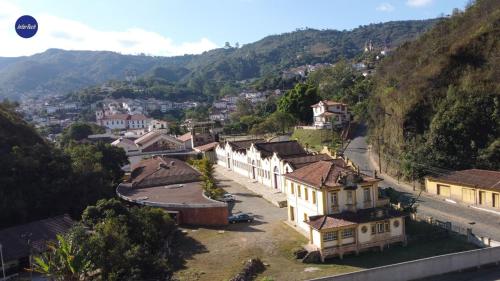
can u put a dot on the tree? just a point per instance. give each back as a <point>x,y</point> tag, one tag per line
<point>64,261</point>
<point>129,243</point>
<point>298,101</point>
<point>79,131</point>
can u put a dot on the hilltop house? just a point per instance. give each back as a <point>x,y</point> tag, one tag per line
<point>340,210</point>
<point>328,113</point>
<point>264,162</point>
<point>475,187</point>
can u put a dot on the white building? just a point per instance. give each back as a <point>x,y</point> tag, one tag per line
<point>122,121</point>
<point>340,210</point>
<point>327,113</point>
<point>264,162</point>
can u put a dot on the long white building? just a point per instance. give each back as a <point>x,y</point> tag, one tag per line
<point>265,162</point>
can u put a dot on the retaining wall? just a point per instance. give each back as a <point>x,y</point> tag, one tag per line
<point>423,268</point>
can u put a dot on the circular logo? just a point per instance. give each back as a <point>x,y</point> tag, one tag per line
<point>26,26</point>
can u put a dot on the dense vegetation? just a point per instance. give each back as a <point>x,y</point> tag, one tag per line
<point>437,99</point>
<point>114,242</point>
<point>38,180</point>
<point>58,71</point>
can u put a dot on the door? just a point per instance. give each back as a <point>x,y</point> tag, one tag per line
<point>468,195</point>
<point>482,197</point>
<point>292,214</point>
<point>443,190</point>
<point>253,169</point>
<point>276,177</point>
<point>495,198</point>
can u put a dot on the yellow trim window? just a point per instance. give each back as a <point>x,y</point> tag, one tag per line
<point>298,190</point>
<point>292,188</point>
<point>314,196</point>
<point>330,236</point>
<point>347,233</point>
<point>306,194</point>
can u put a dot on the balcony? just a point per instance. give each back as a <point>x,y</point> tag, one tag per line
<point>367,204</point>
<point>381,202</point>
<point>351,207</point>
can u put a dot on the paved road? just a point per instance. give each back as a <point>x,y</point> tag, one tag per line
<point>481,222</point>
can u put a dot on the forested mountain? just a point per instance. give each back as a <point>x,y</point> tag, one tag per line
<point>59,71</point>
<point>437,99</point>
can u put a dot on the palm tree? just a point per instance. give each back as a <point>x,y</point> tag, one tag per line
<point>64,260</point>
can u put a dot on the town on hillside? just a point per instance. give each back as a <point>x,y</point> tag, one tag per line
<point>363,153</point>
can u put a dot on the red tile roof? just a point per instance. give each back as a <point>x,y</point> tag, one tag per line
<point>15,246</point>
<point>243,144</point>
<point>472,177</point>
<point>206,147</point>
<point>301,161</point>
<point>328,174</point>
<point>159,171</point>
<point>185,137</point>
<point>282,148</point>
<point>353,218</point>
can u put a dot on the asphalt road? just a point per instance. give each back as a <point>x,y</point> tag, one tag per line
<point>482,223</point>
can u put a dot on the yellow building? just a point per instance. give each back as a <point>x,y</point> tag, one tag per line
<point>340,210</point>
<point>473,187</point>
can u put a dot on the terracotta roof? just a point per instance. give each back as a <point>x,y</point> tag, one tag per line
<point>243,144</point>
<point>138,117</point>
<point>15,246</point>
<point>185,193</point>
<point>124,141</point>
<point>328,102</point>
<point>353,218</point>
<point>159,171</point>
<point>206,147</point>
<point>328,174</point>
<point>185,137</point>
<point>116,117</point>
<point>472,177</point>
<point>301,161</point>
<point>282,148</point>
<point>152,135</point>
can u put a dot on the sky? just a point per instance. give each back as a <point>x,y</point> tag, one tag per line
<point>177,27</point>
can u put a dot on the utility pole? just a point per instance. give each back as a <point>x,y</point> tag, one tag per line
<point>3,265</point>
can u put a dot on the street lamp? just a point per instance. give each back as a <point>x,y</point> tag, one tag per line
<point>3,265</point>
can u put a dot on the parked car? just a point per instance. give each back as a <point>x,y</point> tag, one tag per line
<point>228,197</point>
<point>242,217</point>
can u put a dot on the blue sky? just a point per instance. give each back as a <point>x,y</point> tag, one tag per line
<point>172,27</point>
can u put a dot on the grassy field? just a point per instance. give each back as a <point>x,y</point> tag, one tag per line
<point>314,139</point>
<point>213,254</point>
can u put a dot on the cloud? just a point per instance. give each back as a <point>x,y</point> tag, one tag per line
<point>418,3</point>
<point>385,7</point>
<point>55,32</point>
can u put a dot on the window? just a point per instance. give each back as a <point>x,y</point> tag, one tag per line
<point>314,196</point>
<point>386,226</point>
<point>305,217</point>
<point>298,190</point>
<point>334,198</point>
<point>374,229</point>
<point>330,236</point>
<point>367,194</point>
<point>349,197</point>
<point>306,194</point>
<point>292,188</point>
<point>348,233</point>
<point>380,227</point>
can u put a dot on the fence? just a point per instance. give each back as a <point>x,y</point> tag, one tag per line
<point>423,268</point>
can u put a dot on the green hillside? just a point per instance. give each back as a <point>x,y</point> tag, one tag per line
<point>437,99</point>
<point>58,71</point>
